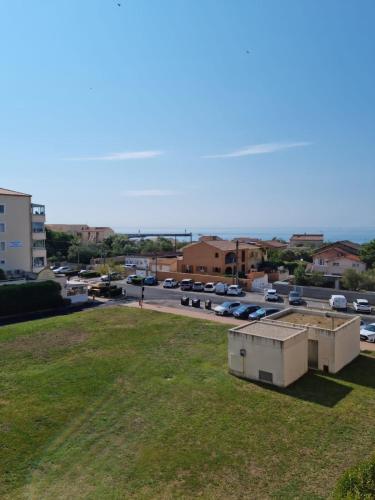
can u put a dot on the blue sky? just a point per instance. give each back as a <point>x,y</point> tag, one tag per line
<point>190,113</point>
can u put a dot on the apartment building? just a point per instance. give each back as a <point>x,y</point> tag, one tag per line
<point>219,257</point>
<point>22,233</point>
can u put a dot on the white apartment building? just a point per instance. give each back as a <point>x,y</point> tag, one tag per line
<point>22,233</point>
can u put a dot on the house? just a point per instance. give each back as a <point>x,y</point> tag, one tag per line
<point>281,348</point>
<point>306,240</point>
<point>85,233</point>
<point>336,258</point>
<point>219,257</point>
<point>22,234</point>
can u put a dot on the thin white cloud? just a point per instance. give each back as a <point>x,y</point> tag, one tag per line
<point>259,149</point>
<point>128,155</point>
<point>149,193</point>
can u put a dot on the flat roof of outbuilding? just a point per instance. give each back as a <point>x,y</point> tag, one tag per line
<point>267,330</point>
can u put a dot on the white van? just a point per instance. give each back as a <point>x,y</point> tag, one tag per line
<point>338,302</point>
<point>221,288</point>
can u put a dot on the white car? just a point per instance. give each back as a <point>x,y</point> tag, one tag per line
<point>362,306</point>
<point>198,286</point>
<point>221,288</point>
<point>234,290</point>
<point>130,278</point>
<point>367,332</point>
<point>338,302</point>
<point>62,270</point>
<point>170,283</point>
<point>271,295</point>
<point>226,308</point>
<point>209,287</point>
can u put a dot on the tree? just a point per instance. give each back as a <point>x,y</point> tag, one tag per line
<point>2,275</point>
<point>316,279</point>
<point>300,277</point>
<point>351,279</point>
<point>57,244</point>
<point>83,253</point>
<point>367,253</point>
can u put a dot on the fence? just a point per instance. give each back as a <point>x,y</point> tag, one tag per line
<point>315,292</point>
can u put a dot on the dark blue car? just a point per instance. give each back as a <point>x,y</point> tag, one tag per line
<point>150,280</point>
<point>262,312</point>
<point>243,311</point>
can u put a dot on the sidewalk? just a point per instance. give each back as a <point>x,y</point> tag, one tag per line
<point>186,311</point>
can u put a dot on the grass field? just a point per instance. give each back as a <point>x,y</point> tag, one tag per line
<point>121,403</point>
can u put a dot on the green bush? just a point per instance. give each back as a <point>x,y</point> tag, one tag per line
<point>28,297</point>
<point>357,483</point>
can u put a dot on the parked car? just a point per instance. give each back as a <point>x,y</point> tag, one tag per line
<point>209,287</point>
<point>198,286</point>
<point>130,278</point>
<point>362,306</point>
<point>243,311</point>
<point>221,288</point>
<point>129,266</point>
<point>338,302</point>
<point>87,273</point>
<point>234,290</point>
<point>295,298</point>
<point>367,332</point>
<point>262,312</point>
<point>63,270</point>
<point>271,295</point>
<point>170,283</point>
<point>186,284</point>
<point>150,281</point>
<point>226,308</point>
<point>111,277</point>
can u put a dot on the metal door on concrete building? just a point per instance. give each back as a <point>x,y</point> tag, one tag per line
<point>313,354</point>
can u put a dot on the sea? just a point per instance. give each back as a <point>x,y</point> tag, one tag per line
<point>331,234</point>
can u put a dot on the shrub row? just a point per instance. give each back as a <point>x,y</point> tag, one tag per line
<point>28,297</point>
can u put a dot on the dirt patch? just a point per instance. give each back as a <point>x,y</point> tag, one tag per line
<point>314,320</point>
<point>41,344</point>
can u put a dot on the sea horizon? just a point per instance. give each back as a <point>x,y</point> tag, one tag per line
<point>335,233</point>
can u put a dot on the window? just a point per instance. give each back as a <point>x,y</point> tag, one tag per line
<point>216,255</point>
<point>201,269</point>
<point>321,262</point>
<point>38,210</point>
<point>217,269</point>
<point>243,255</point>
<point>38,227</point>
<point>2,209</point>
<point>39,244</point>
<point>336,263</point>
<point>2,246</point>
<point>2,262</point>
<point>2,227</point>
<point>38,262</point>
<point>265,376</point>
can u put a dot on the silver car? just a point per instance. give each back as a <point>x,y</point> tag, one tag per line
<point>226,308</point>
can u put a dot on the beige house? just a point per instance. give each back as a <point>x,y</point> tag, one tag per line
<point>285,345</point>
<point>214,256</point>
<point>22,233</point>
<point>306,240</point>
<point>336,258</point>
<point>87,234</point>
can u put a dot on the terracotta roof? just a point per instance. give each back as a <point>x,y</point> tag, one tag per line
<point>226,245</point>
<point>307,237</point>
<point>346,247</point>
<point>272,244</point>
<point>9,192</point>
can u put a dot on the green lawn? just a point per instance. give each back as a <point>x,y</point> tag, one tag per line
<point>121,403</point>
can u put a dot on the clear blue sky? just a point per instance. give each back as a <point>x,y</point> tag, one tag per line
<point>190,112</point>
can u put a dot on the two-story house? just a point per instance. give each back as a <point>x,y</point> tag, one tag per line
<point>336,258</point>
<point>306,240</point>
<point>22,233</point>
<point>220,257</point>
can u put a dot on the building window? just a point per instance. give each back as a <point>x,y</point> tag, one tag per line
<point>243,255</point>
<point>2,246</point>
<point>336,264</point>
<point>2,209</point>
<point>2,262</point>
<point>38,262</point>
<point>38,210</point>
<point>38,227</point>
<point>2,227</point>
<point>201,269</point>
<point>216,255</point>
<point>216,270</point>
<point>39,244</point>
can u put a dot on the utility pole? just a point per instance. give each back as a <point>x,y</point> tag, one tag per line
<point>237,247</point>
<point>156,266</point>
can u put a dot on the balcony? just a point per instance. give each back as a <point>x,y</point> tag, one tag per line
<point>38,209</point>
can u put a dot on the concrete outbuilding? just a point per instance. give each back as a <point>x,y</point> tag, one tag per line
<point>280,349</point>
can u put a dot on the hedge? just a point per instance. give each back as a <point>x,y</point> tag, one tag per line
<point>28,297</point>
<point>357,483</point>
